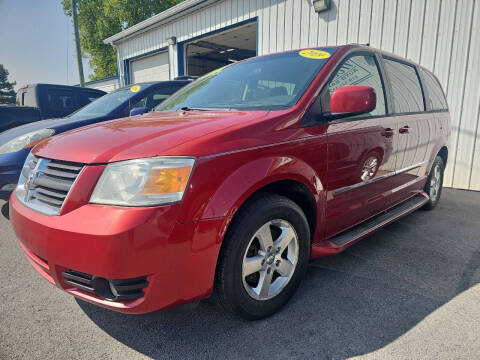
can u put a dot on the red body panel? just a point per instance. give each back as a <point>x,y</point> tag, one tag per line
<point>237,153</point>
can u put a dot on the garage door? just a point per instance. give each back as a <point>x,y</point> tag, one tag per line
<point>150,68</point>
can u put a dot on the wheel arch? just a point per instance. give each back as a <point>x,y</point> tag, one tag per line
<point>287,176</point>
<point>294,190</point>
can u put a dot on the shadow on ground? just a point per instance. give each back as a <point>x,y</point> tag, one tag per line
<point>5,211</point>
<point>350,304</point>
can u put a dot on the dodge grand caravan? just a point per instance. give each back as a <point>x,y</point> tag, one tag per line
<point>231,185</point>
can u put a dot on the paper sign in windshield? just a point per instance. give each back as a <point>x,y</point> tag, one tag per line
<point>135,88</point>
<point>314,54</point>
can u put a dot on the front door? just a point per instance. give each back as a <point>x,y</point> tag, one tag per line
<point>361,156</point>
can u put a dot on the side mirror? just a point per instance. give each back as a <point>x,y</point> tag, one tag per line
<point>139,111</point>
<point>352,100</point>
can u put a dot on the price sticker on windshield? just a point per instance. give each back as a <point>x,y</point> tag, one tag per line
<point>314,54</point>
<point>135,88</point>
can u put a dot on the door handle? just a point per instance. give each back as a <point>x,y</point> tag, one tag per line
<point>404,130</point>
<point>388,132</point>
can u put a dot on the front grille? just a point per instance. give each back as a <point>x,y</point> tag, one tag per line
<point>47,183</point>
<point>108,289</point>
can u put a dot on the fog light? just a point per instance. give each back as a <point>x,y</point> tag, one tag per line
<point>108,289</point>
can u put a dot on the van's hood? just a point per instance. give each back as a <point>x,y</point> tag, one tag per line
<point>152,134</point>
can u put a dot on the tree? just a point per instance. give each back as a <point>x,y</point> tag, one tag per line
<point>7,93</point>
<point>99,19</point>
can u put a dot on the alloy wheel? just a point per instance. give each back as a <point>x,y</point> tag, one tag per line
<point>435,182</point>
<point>270,259</point>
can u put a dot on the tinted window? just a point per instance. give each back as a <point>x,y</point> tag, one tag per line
<point>157,96</point>
<point>406,90</point>
<point>265,83</point>
<point>60,102</point>
<point>358,70</point>
<point>434,93</point>
<point>86,97</point>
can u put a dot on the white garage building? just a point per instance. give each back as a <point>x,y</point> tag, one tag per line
<point>197,36</point>
<point>108,84</point>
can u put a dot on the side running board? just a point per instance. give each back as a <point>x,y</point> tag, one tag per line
<point>378,221</point>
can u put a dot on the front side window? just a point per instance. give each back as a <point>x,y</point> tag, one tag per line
<point>269,82</point>
<point>357,70</point>
<point>434,96</point>
<point>405,86</point>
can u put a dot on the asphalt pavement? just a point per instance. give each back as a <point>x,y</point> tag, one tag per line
<point>409,291</point>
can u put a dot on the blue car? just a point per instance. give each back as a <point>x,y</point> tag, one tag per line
<point>15,144</point>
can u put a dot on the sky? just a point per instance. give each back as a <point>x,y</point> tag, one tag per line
<point>36,43</point>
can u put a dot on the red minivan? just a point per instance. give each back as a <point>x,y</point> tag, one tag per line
<point>234,183</point>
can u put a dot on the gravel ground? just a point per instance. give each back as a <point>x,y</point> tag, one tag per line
<point>410,291</point>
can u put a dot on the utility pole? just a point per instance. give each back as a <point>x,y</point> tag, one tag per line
<point>77,43</point>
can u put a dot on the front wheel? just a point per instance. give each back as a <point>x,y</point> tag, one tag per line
<point>263,258</point>
<point>434,184</point>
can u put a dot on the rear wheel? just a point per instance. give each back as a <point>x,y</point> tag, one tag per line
<point>263,258</point>
<point>434,184</point>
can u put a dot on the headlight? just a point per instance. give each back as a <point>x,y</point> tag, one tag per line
<point>28,168</point>
<point>26,141</point>
<point>143,182</point>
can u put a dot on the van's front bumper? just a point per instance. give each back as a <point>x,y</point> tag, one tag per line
<point>120,244</point>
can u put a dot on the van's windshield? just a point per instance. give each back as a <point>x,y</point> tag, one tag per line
<point>270,82</point>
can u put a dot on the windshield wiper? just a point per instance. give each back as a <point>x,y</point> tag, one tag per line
<point>186,108</point>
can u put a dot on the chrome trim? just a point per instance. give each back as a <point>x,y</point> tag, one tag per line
<point>363,183</point>
<point>34,204</point>
<point>408,168</point>
<point>378,178</point>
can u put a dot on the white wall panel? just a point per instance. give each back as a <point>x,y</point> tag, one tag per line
<point>150,68</point>
<point>442,35</point>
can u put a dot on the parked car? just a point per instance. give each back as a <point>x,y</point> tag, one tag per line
<point>15,144</point>
<point>45,101</point>
<point>232,184</point>
<point>12,116</point>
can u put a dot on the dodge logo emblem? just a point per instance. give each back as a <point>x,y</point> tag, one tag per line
<point>29,184</point>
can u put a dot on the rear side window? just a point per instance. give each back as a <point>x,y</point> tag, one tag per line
<point>60,102</point>
<point>357,70</point>
<point>434,93</point>
<point>157,96</point>
<point>405,86</point>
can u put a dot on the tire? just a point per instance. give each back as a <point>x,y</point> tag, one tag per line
<point>433,187</point>
<point>245,249</point>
